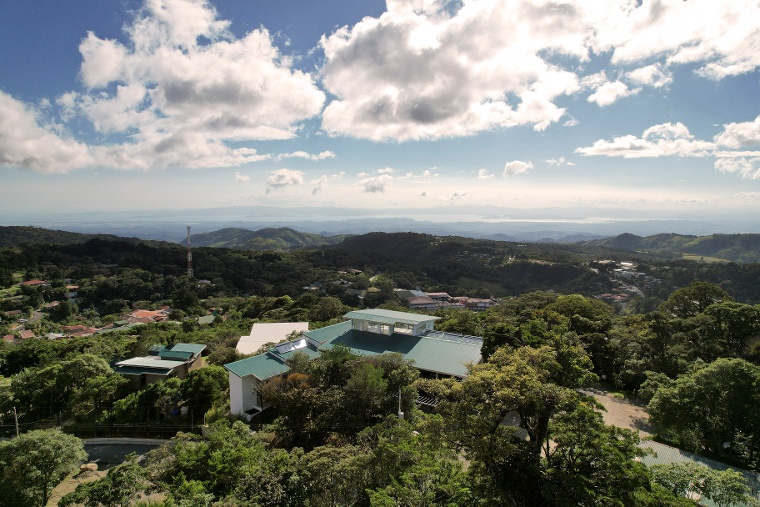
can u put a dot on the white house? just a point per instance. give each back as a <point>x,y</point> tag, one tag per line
<point>265,332</point>
<point>366,332</point>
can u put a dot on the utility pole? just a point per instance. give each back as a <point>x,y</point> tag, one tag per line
<point>15,416</point>
<point>189,255</point>
<point>400,413</point>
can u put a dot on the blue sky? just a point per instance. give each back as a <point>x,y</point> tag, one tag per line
<point>169,104</point>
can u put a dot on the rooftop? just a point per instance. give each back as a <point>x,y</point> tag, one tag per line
<point>177,351</point>
<point>272,362</point>
<point>434,351</point>
<point>389,316</point>
<point>266,332</point>
<point>152,364</point>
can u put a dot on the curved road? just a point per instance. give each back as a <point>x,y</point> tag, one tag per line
<point>109,452</point>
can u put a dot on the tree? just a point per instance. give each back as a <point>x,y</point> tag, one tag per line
<point>411,465</point>
<point>34,463</point>
<point>118,488</point>
<point>325,309</point>
<point>686,479</point>
<point>526,387</point>
<point>710,406</point>
<point>735,323</point>
<point>205,387</point>
<point>694,299</point>
<point>366,391</point>
<point>592,463</point>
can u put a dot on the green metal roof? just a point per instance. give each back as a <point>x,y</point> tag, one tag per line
<point>323,334</point>
<point>150,363</point>
<point>134,370</point>
<point>126,327</point>
<point>262,366</point>
<point>188,349</point>
<point>175,355</point>
<point>441,353</point>
<point>310,352</point>
<point>390,316</point>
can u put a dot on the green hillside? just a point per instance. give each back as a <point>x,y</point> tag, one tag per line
<point>280,239</point>
<point>742,248</point>
<point>20,235</point>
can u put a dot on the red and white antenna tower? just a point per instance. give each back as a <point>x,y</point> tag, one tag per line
<point>189,255</point>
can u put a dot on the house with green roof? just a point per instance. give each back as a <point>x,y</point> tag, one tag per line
<point>366,332</point>
<point>162,362</point>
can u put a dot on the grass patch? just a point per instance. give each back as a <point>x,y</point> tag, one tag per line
<point>472,283</point>
<point>10,291</point>
<point>702,258</point>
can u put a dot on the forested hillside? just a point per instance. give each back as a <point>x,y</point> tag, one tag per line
<point>19,235</point>
<point>742,248</point>
<point>280,239</point>
<point>688,348</point>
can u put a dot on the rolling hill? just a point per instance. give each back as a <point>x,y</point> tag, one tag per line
<point>280,239</point>
<point>21,235</point>
<point>741,248</point>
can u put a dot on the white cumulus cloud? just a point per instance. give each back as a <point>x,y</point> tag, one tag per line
<point>610,92</point>
<point>484,174</point>
<point>319,184</point>
<point>747,168</point>
<point>282,178</point>
<point>376,184</point>
<point>740,135</point>
<point>666,139</point>
<point>655,75</point>
<point>558,162</point>
<point>242,178</point>
<point>158,89</point>
<point>517,167</point>
<point>308,156</point>
<point>27,145</point>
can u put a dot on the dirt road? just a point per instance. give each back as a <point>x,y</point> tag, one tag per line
<point>623,413</point>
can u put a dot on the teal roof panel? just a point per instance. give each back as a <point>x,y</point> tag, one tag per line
<point>439,353</point>
<point>134,370</point>
<point>176,355</point>
<point>324,334</point>
<point>262,366</point>
<point>194,348</point>
<point>389,316</point>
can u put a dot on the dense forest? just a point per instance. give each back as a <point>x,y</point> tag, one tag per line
<point>518,430</point>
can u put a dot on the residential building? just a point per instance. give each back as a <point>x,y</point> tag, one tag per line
<point>268,332</point>
<point>148,316</point>
<point>162,362</point>
<point>366,332</point>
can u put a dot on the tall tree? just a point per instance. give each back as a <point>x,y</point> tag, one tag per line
<point>694,299</point>
<point>710,406</point>
<point>34,463</point>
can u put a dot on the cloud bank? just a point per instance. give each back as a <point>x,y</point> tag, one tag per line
<point>182,91</point>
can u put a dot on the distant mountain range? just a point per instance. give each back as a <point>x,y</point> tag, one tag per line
<point>540,225</point>
<point>742,248</point>
<point>281,239</point>
<point>19,235</point>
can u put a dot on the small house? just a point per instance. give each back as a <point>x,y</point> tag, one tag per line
<point>162,362</point>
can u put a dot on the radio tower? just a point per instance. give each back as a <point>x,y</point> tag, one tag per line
<point>189,255</point>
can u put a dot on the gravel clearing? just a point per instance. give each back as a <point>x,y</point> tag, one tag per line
<point>622,412</point>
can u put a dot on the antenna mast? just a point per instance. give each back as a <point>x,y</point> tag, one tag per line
<point>189,255</point>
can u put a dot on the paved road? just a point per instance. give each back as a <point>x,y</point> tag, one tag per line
<point>108,453</point>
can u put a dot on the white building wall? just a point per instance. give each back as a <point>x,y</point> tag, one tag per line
<point>242,394</point>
